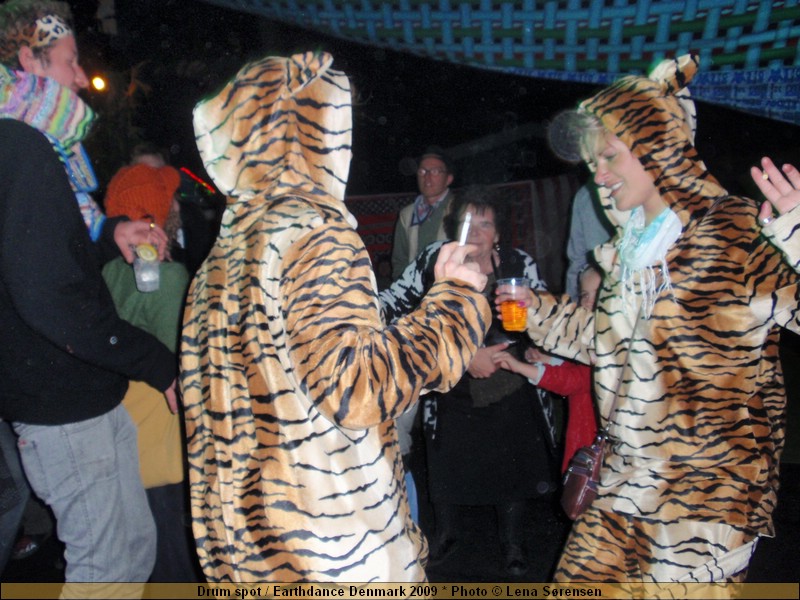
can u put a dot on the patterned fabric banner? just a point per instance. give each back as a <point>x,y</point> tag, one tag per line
<point>749,53</point>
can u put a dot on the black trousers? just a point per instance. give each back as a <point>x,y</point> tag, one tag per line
<point>176,556</point>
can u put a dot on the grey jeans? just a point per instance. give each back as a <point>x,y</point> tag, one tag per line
<point>88,473</point>
<point>18,487</point>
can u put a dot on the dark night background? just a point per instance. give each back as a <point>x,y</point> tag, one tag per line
<point>168,54</point>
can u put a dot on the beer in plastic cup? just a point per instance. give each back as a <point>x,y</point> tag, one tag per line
<point>514,316</point>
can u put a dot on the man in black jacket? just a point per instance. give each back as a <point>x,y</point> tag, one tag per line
<point>66,356</point>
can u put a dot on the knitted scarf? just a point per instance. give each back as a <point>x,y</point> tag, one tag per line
<point>64,119</point>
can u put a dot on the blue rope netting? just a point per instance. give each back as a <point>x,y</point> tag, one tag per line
<point>749,53</point>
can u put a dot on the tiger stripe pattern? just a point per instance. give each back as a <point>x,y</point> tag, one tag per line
<point>697,389</point>
<point>290,379</point>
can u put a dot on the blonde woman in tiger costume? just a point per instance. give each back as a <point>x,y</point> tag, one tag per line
<point>687,374</point>
<point>290,379</point>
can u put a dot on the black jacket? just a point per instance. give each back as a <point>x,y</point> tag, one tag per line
<point>65,354</point>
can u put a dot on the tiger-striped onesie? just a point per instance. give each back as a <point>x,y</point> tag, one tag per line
<point>784,232</point>
<point>290,379</point>
<point>697,430</point>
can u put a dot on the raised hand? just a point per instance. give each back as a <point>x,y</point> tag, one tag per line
<point>781,188</point>
<point>450,265</point>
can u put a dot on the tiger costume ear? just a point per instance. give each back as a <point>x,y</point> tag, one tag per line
<point>302,69</point>
<point>673,75</point>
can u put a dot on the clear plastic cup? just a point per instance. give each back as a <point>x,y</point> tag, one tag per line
<point>515,317</point>
<point>146,268</point>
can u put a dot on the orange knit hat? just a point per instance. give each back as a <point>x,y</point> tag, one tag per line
<point>142,192</point>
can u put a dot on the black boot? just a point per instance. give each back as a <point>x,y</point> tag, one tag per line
<point>511,528</point>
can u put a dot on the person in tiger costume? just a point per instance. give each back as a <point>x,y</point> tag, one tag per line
<point>688,379</point>
<point>291,380</point>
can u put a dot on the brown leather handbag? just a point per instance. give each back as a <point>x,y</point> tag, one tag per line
<point>582,477</point>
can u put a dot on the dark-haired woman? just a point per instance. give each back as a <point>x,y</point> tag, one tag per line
<point>485,439</point>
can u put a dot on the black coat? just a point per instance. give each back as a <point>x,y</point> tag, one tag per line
<point>65,354</point>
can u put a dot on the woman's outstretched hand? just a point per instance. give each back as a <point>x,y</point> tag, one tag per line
<point>503,294</point>
<point>781,188</point>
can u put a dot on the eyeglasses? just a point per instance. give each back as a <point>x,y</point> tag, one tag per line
<point>483,224</point>
<point>433,171</point>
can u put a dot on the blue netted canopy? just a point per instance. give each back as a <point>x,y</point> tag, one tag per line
<point>749,54</point>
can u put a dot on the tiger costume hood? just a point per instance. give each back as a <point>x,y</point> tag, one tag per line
<point>662,139</point>
<point>301,145</point>
<point>290,379</point>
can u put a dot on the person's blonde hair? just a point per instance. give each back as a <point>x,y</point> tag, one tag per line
<point>573,135</point>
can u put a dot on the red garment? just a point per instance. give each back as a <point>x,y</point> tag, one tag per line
<point>574,381</point>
